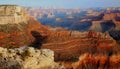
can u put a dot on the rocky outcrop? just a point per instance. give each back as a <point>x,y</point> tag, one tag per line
<point>111,16</point>
<point>27,58</point>
<point>102,25</point>
<point>96,26</point>
<point>87,61</point>
<point>12,14</point>
<point>16,27</point>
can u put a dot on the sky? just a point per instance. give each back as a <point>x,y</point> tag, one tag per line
<point>64,3</point>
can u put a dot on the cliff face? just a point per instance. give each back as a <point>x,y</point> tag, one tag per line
<point>12,14</point>
<point>111,16</point>
<point>96,26</point>
<point>17,28</point>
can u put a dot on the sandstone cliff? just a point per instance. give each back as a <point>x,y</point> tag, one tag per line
<point>96,26</point>
<point>12,14</point>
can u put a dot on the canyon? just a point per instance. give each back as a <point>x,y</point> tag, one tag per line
<point>81,19</point>
<point>57,48</point>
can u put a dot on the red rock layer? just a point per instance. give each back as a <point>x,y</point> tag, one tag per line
<point>22,34</point>
<point>98,62</point>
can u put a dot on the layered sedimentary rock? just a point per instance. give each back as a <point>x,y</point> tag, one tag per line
<point>103,25</point>
<point>12,14</point>
<point>17,27</point>
<point>27,58</point>
<point>111,16</point>
<point>87,61</point>
<point>96,26</point>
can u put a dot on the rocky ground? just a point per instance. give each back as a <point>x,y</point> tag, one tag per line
<point>27,58</point>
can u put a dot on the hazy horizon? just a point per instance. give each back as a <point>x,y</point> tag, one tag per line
<point>64,3</point>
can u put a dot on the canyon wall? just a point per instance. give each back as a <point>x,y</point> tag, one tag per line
<point>16,26</point>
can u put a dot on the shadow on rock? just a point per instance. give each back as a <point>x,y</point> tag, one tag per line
<point>39,39</point>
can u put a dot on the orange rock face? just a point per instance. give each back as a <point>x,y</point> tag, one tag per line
<point>21,36</point>
<point>111,16</point>
<point>69,50</point>
<point>97,62</point>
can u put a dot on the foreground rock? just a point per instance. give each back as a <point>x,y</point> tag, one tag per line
<point>27,58</point>
<point>89,61</point>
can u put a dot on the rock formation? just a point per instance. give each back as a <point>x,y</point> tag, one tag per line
<point>13,14</point>
<point>96,26</point>
<point>87,61</point>
<point>27,58</point>
<point>16,26</point>
<point>111,16</point>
